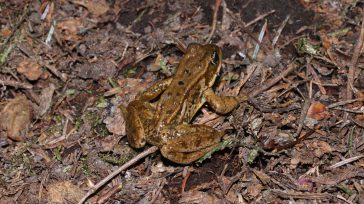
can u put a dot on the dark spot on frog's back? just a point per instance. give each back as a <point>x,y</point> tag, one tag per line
<point>181,83</point>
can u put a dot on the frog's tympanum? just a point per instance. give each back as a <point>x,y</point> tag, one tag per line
<point>165,121</point>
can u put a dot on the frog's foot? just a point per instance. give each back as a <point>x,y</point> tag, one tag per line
<point>191,143</point>
<point>223,104</point>
<point>138,116</point>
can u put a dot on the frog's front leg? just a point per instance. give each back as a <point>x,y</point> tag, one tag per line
<point>138,122</point>
<point>223,104</point>
<point>190,142</point>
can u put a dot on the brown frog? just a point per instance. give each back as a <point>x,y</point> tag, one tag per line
<point>164,121</point>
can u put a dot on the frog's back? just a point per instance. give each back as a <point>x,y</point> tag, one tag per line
<point>188,83</point>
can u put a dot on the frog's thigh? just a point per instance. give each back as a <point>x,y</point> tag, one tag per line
<point>138,118</point>
<point>193,142</point>
<point>223,104</point>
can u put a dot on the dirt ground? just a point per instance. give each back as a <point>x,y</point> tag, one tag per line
<point>67,66</point>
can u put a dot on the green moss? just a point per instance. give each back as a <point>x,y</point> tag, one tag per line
<point>84,165</point>
<point>57,153</point>
<point>303,46</point>
<point>221,146</point>
<point>102,102</point>
<point>118,160</point>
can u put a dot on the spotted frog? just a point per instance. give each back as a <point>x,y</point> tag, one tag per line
<point>161,115</point>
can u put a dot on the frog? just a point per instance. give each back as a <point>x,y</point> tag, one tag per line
<point>162,114</point>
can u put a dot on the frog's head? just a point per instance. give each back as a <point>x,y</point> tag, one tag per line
<point>213,57</point>
<point>200,62</point>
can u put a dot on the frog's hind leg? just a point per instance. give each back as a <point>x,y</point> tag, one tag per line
<point>138,116</point>
<point>191,143</point>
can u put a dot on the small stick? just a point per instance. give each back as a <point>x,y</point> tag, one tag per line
<point>303,115</point>
<point>214,21</point>
<point>259,18</point>
<point>354,61</point>
<point>341,103</point>
<point>155,196</point>
<point>54,70</point>
<point>118,171</point>
<point>315,76</point>
<point>273,81</point>
<point>260,38</point>
<point>251,69</point>
<point>243,27</point>
<point>346,161</point>
<point>300,195</point>
<point>349,110</point>
<point>15,84</point>
<point>115,189</point>
<point>280,29</point>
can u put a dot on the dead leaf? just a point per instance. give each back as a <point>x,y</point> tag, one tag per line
<point>108,143</point>
<point>156,65</point>
<point>304,184</point>
<point>321,148</point>
<point>64,192</point>
<point>8,200</point>
<point>47,9</point>
<point>6,32</point>
<point>328,41</point>
<point>199,197</point>
<point>132,86</point>
<point>322,69</point>
<point>263,177</point>
<point>288,120</point>
<point>16,117</point>
<point>317,111</point>
<point>45,100</point>
<point>40,153</point>
<point>254,189</point>
<point>69,29</point>
<point>97,70</point>
<point>30,69</point>
<point>96,7</point>
<point>115,123</point>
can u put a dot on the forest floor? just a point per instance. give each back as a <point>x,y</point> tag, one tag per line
<point>66,67</point>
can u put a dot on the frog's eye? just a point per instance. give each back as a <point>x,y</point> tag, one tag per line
<point>215,58</point>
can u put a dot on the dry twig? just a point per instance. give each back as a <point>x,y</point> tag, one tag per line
<point>346,161</point>
<point>354,61</point>
<point>279,31</point>
<point>314,196</point>
<point>214,21</point>
<point>303,115</point>
<point>260,17</point>
<point>273,81</point>
<point>15,84</point>
<point>118,171</point>
<point>341,103</point>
